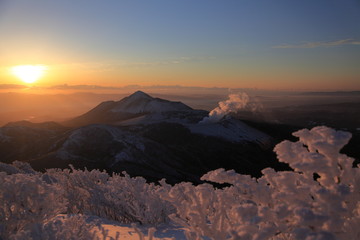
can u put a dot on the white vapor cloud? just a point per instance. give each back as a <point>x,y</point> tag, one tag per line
<point>321,44</point>
<point>235,103</point>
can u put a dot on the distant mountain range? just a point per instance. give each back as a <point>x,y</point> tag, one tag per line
<point>141,135</point>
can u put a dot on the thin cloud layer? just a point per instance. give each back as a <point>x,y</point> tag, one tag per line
<point>321,44</point>
<point>12,86</point>
<point>103,67</point>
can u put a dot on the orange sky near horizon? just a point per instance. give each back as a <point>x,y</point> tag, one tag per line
<point>265,45</point>
<point>199,76</point>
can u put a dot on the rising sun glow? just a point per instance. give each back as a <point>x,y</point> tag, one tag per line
<point>28,73</point>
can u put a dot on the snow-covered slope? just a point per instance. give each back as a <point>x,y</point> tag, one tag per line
<point>231,130</point>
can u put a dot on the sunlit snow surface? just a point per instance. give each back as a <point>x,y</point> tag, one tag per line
<point>127,231</point>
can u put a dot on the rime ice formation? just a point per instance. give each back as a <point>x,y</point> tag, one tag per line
<point>278,205</point>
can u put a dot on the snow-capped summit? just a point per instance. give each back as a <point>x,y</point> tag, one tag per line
<point>135,105</point>
<point>139,95</point>
<point>140,102</point>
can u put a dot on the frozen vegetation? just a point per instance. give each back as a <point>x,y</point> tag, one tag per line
<point>318,200</point>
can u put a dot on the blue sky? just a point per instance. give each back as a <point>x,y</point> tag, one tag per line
<point>204,42</point>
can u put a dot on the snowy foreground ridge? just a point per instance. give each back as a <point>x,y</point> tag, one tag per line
<point>318,200</point>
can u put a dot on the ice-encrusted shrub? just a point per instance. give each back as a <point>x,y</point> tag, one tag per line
<point>30,204</point>
<point>17,167</point>
<point>26,200</point>
<point>200,209</point>
<point>119,197</point>
<point>61,228</point>
<point>318,200</point>
<point>279,205</point>
<point>134,200</point>
<point>83,189</point>
<point>24,167</point>
<point>334,197</point>
<point>8,169</point>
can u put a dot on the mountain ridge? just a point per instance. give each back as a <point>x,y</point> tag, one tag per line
<point>135,105</point>
<point>162,139</point>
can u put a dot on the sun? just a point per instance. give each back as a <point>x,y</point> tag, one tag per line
<point>29,73</point>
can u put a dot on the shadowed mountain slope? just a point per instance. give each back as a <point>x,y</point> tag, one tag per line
<point>143,136</point>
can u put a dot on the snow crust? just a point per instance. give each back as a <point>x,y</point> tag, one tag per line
<point>131,231</point>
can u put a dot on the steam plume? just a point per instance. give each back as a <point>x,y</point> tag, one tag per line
<point>233,104</point>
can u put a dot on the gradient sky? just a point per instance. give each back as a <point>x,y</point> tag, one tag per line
<point>280,44</point>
